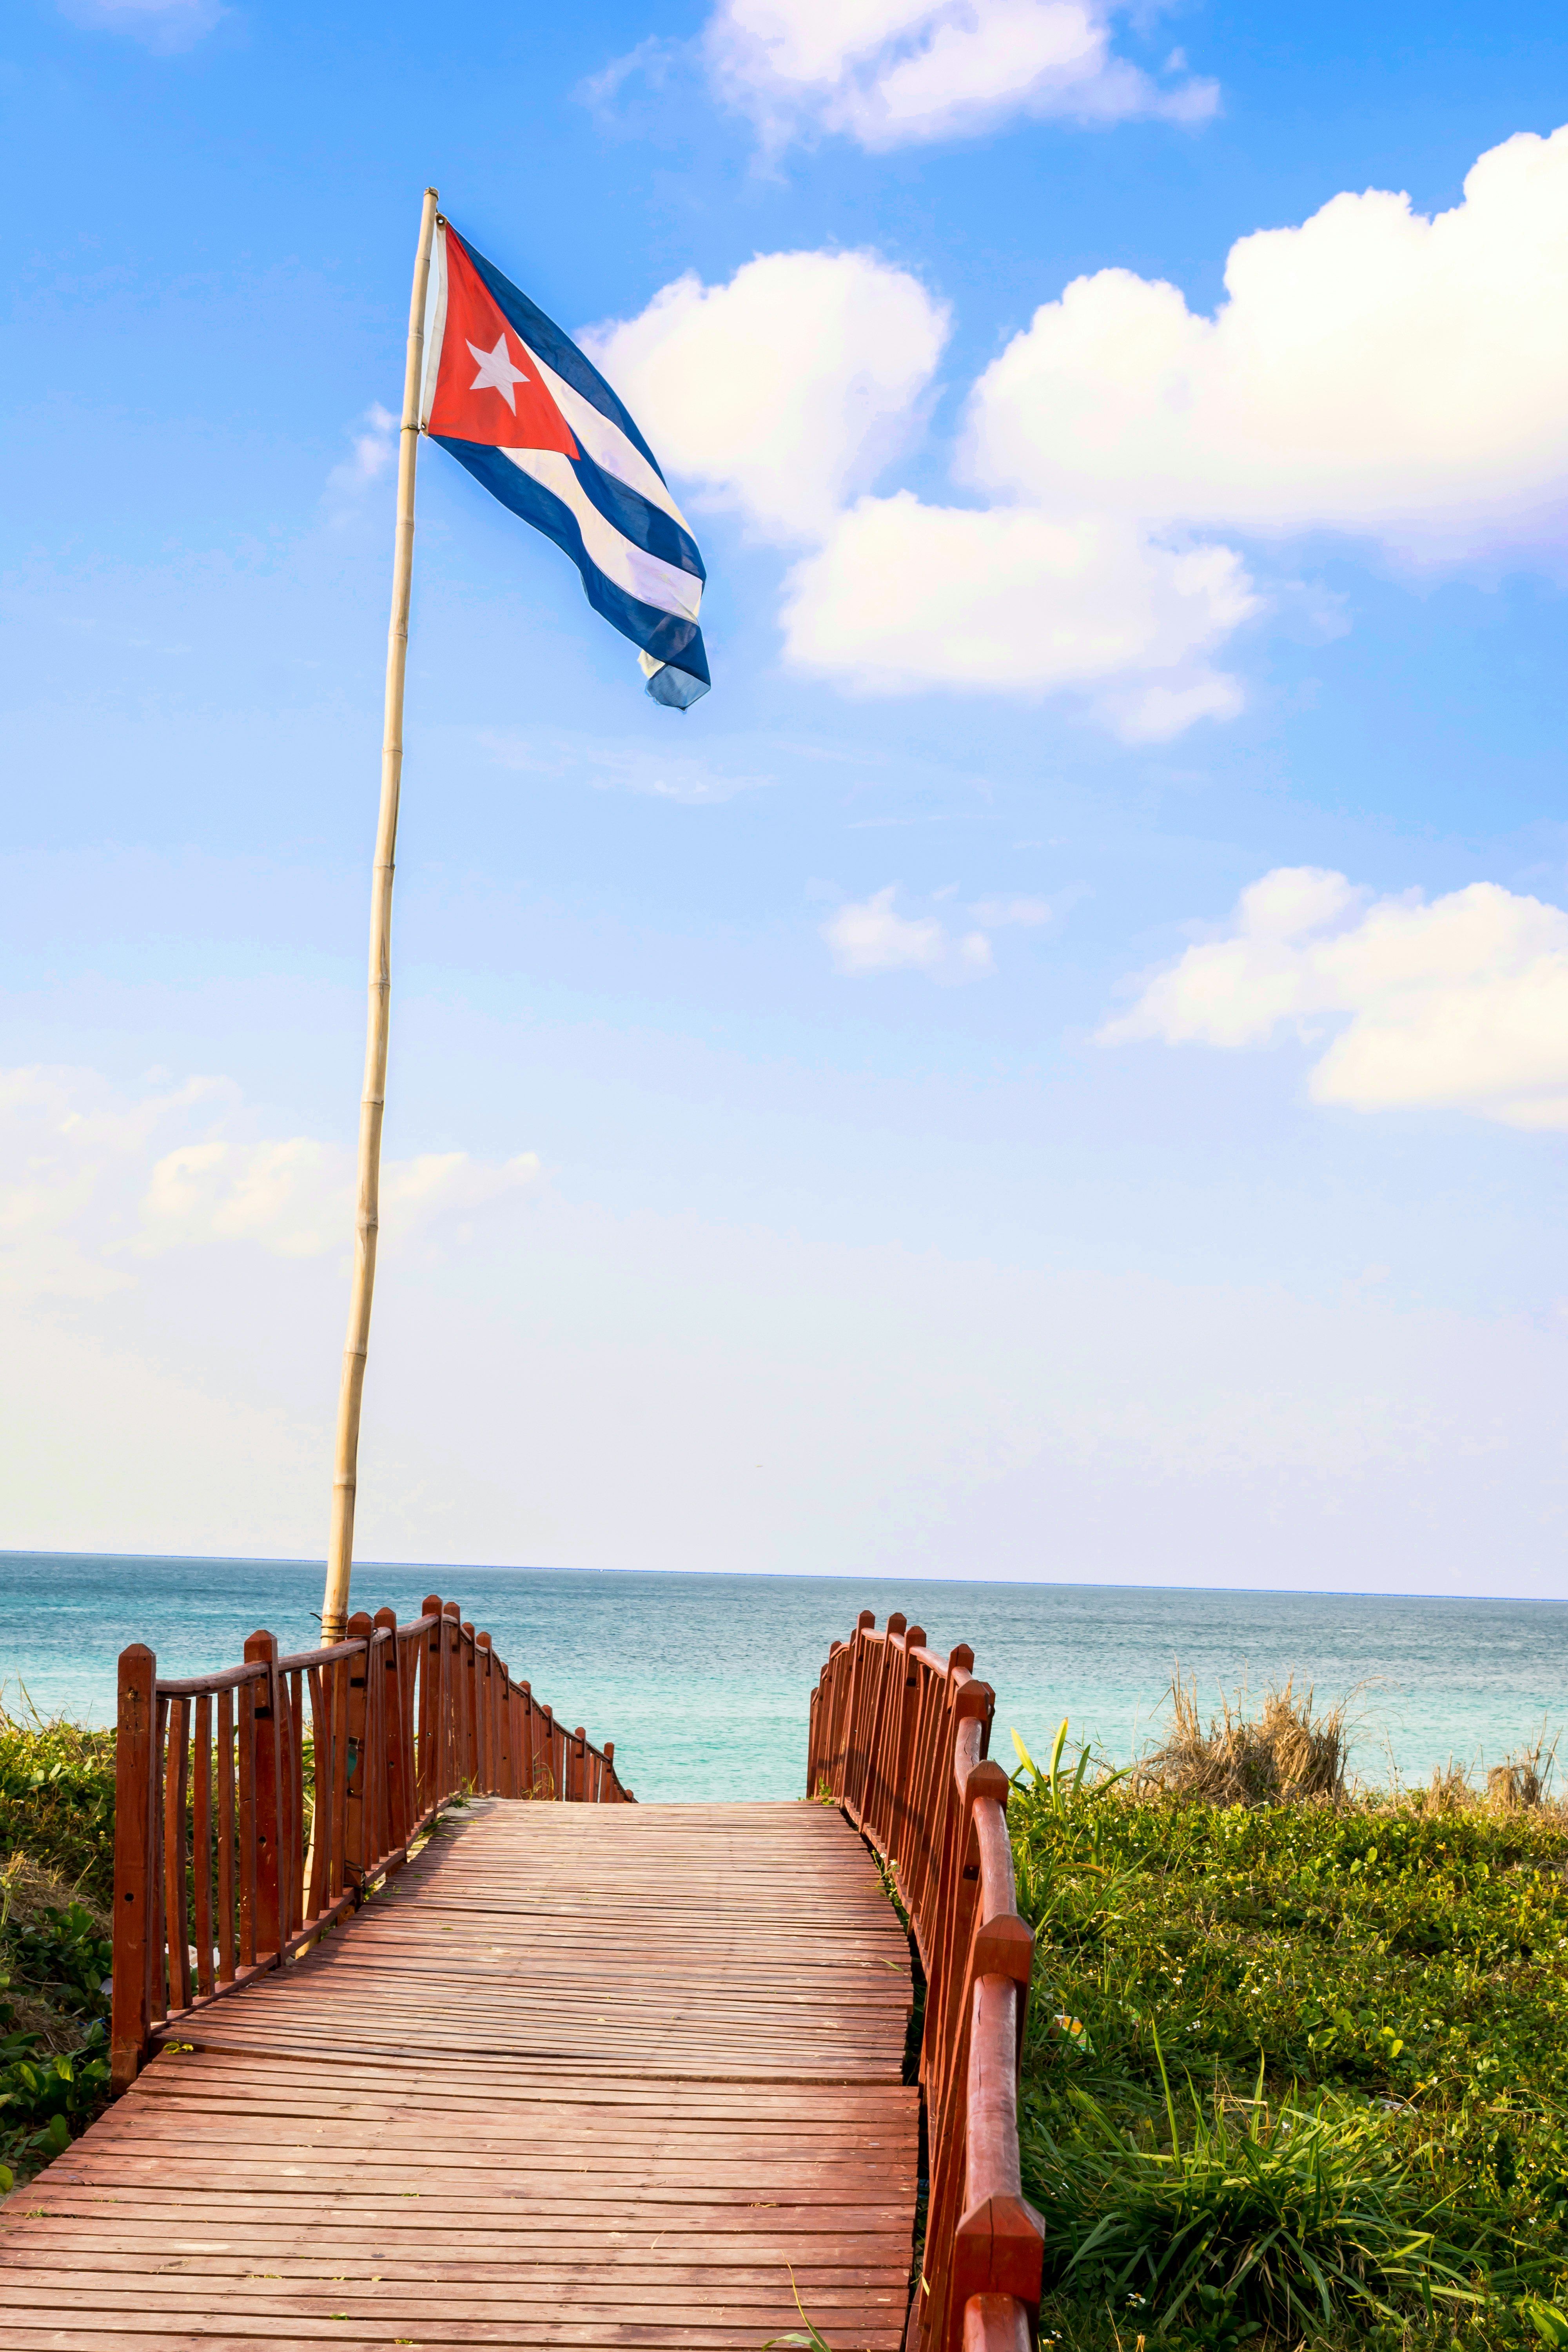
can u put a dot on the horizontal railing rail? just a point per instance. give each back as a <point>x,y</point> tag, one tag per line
<point>898,1739</point>
<point>254,1806</point>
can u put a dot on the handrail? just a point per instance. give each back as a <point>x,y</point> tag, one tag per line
<point>898,1738</point>
<point>228,1859</point>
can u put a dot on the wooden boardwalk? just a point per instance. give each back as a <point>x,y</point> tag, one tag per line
<point>584,2076</point>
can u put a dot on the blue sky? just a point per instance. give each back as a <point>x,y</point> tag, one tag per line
<point>860,1124</point>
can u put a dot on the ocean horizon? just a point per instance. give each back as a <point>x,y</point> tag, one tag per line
<point>702,1679</point>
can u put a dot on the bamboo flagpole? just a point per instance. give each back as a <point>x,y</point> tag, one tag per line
<point>372,1103</point>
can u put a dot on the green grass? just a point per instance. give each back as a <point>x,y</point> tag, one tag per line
<point>1296,2072</point>
<point>56,1882</point>
<point>56,1801</point>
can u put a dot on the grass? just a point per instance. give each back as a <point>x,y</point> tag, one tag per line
<point>1297,2064</point>
<point>1297,2068</point>
<point>57,1884</point>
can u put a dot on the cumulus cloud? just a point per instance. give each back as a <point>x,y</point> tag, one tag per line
<point>1461,1004</point>
<point>295,1196</point>
<point>892,73</point>
<point>903,595</point>
<point>869,934</point>
<point>1371,371</point>
<point>92,1180</point>
<point>785,392</point>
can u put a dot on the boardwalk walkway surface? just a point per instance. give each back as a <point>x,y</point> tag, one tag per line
<point>584,2076</point>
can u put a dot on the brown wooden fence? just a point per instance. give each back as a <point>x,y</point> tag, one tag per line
<point>244,1827</point>
<point>898,1738</point>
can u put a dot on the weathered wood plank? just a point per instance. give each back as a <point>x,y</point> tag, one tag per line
<point>586,2077</point>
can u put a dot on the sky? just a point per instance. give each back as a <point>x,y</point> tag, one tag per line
<point>1057,1067</point>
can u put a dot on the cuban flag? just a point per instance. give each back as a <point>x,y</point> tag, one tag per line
<point>515,402</point>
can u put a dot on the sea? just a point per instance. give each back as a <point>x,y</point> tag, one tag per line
<point>704,1681</point>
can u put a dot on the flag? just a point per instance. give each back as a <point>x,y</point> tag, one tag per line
<point>516,402</point>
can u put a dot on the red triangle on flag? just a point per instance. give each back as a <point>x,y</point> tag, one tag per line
<point>488,385</point>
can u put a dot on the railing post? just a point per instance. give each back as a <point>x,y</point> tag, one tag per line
<point>529,1744</point>
<point>291,1760</point>
<point>484,1690</point>
<point>227,1921</point>
<point>506,1716</point>
<point>394,1832</point>
<point>356,1839</point>
<point>177,1768</point>
<point>878,1806</point>
<point>854,1755</point>
<point>134,1812</point>
<point>899,1815</point>
<point>245,1821</point>
<point>429,1703</point>
<point>468,1686</point>
<point>454,1681</point>
<point>261,1648</point>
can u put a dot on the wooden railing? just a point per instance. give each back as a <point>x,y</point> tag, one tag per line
<point>898,1738</point>
<point>244,1829</point>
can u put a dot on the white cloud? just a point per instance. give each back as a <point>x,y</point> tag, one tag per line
<point>785,392</point>
<point>375,449</point>
<point>903,595</point>
<point>1459,1004</point>
<point>295,1196</point>
<point>66,1139</point>
<point>890,73</point>
<point>1371,371</point>
<point>91,1182</point>
<point>869,935</point>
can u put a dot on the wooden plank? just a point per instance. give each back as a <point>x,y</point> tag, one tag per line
<point>585,2076</point>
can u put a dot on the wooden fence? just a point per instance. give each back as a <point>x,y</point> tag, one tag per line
<point>898,1738</point>
<point>243,1830</point>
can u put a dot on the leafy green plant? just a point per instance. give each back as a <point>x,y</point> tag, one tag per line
<point>1249,2218</point>
<point>1398,1969</point>
<point>57,1800</point>
<point>57,1821</point>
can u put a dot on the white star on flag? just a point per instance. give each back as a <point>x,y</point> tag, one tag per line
<point>497,372</point>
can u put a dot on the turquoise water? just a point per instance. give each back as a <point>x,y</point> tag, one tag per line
<point>702,1681</point>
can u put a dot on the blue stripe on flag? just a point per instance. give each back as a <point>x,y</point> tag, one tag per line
<point>556,349</point>
<point>638,518</point>
<point>664,635</point>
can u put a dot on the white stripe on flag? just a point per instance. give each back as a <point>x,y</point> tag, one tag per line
<point>646,577</point>
<point>434,324</point>
<point>606,444</point>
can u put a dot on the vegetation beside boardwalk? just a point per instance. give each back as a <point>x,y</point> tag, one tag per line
<point>1297,2065</point>
<point>57,1884</point>
<point>1296,2069</point>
